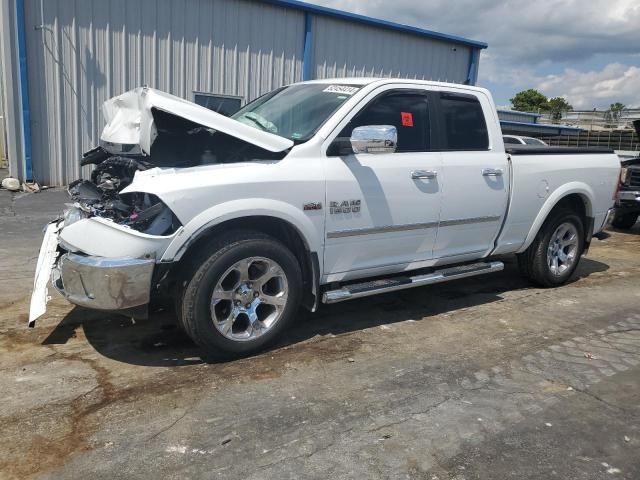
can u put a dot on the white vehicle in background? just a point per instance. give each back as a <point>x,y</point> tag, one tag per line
<point>519,140</point>
<point>322,191</point>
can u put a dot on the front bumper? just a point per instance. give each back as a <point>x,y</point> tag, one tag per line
<point>629,196</point>
<point>104,283</point>
<point>607,219</point>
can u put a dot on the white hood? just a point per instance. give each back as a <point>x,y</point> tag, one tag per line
<point>129,120</point>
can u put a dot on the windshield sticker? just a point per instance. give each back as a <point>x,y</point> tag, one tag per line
<point>343,89</point>
<point>407,119</point>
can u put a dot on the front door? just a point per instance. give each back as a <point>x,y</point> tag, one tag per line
<point>383,209</point>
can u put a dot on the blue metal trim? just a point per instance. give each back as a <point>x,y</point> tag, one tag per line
<point>353,17</point>
<point>476,66</point>
<point>474,60</point>
<point>24,89</point>
<point>541,127</point>
<point>307,47</point>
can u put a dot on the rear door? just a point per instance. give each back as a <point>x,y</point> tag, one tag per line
<point>383,209</point>
<point>475,177</point>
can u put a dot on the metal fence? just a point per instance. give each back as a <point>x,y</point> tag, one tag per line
<point>596,119</point>
<point>616,140</point>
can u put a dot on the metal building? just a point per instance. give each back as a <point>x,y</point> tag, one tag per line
<point>62,58</point>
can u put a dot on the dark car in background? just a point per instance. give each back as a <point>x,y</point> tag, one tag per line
<point>628,198</point>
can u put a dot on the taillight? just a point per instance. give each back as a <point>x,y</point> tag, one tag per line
<point>621,180</point>
<point>624,174</point>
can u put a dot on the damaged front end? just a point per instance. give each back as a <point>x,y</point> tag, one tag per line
<point>101,196</point>
<point>103,252</point>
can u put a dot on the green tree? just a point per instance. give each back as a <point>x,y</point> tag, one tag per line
<point>615,111</point>
<point>557,106</point>
<point>529,101</point>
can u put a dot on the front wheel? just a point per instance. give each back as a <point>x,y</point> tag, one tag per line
<point>555,253</point>
<point>245,293</point>
<point>624,221</point>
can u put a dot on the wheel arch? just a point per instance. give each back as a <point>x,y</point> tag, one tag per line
<point>292,235</point>
<point>576,196</point>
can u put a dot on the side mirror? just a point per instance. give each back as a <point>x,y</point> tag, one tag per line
<point>374,139</point>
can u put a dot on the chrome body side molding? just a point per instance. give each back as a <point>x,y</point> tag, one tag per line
<point>385,229</point>
<point>412,226</point>
<point>467,221</point>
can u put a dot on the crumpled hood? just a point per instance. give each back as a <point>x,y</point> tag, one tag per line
<point>130,120</point>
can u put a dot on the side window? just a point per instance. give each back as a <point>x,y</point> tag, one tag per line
<point>407,111</point>
<point>511,140</point>
<point>463,123</point>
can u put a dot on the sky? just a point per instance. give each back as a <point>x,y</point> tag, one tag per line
<point>587,51</point>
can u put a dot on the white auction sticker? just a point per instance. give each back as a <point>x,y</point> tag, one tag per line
<point>344,89</point>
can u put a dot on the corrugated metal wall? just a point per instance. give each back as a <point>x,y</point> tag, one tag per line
<point>345,49</point>
<point>83,52</point>
<point>88,51</point>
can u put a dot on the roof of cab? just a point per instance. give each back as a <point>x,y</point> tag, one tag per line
<point>365,81</point>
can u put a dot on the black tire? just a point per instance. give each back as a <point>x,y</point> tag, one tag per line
<point>534,263</point>
<point>624,221</point>
<point>227,250</point>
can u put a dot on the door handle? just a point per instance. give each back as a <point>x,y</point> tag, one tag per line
<point>423,174</point>
<point>492,172</point>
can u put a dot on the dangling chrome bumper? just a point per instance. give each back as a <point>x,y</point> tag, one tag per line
<point>96,282</point>
<point>103,283</point>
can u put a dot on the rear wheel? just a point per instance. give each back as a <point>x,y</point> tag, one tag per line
<point>624,221</point>
<point>555,253</point>
<point>245,293</point>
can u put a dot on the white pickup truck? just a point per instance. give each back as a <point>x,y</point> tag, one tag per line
<point>321,191</point>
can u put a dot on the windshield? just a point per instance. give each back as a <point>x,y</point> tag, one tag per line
<point>296,112</point>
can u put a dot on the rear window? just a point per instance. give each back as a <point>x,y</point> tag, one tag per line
<point>464,126</point>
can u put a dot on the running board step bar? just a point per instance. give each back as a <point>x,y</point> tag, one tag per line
<point>385,285</point>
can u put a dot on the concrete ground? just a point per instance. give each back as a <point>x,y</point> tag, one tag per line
<point>487,378</point>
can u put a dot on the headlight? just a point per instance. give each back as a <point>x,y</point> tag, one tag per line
<point>148,214</point>
<point>624,171</point>
<point>72,215</point>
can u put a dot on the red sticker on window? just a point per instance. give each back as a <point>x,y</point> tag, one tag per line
<point>407,119</point>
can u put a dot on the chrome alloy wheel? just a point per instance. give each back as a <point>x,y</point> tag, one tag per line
<point>249,298</point>
<point>563,248</point>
